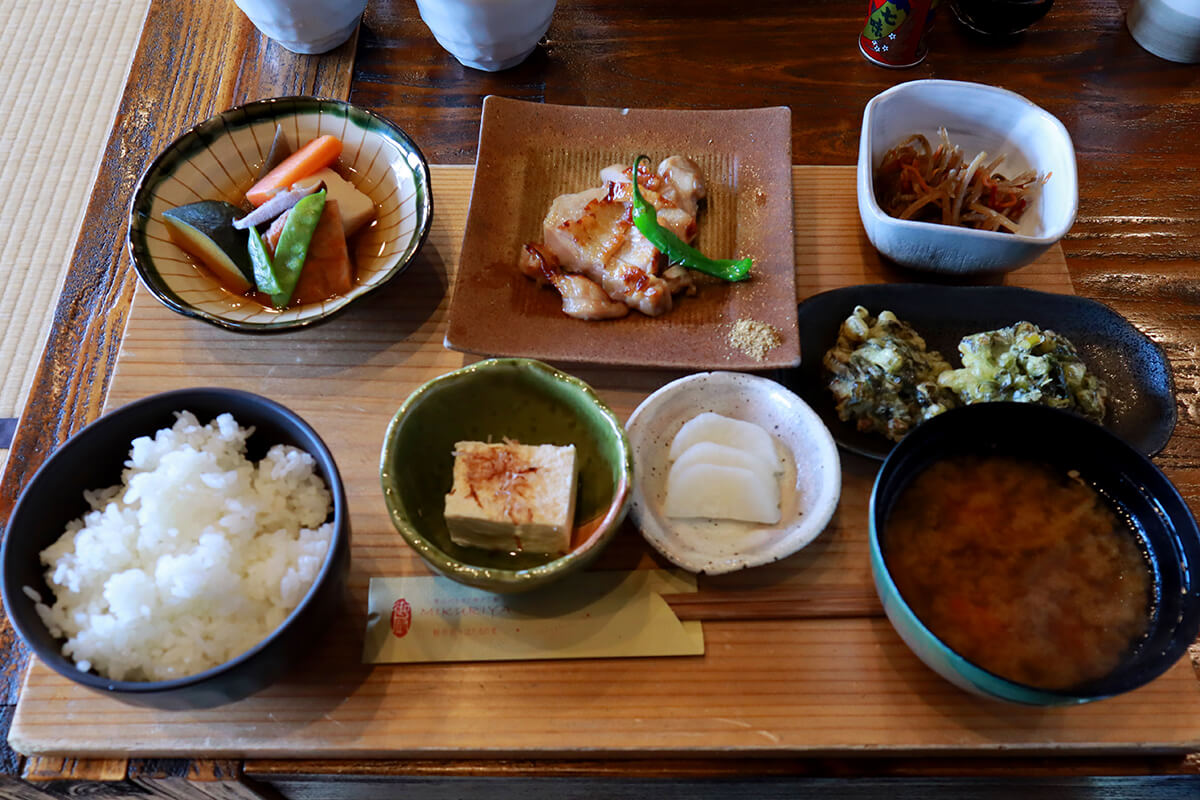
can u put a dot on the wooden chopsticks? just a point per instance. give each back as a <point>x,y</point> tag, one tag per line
<point>814,602</point>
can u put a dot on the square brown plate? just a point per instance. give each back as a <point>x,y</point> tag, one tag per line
<point>529,153</point>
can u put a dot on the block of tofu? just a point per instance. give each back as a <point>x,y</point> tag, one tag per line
<point>512,497</point>
<point>355,207</point>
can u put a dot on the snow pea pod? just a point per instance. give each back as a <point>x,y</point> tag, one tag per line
<point>293,245</point>
<point>677,251</point>
<point>264,271</point>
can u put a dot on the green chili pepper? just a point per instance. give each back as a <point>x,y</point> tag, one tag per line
<point>293,245</point>
<point>645,217</point>
<point>264,271</point>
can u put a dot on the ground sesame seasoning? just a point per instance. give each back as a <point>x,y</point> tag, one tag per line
<point>754,338</point>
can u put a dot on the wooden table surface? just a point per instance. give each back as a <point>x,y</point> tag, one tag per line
<point>1135,245</point>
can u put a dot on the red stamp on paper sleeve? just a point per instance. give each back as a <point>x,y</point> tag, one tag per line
<point>401,618</point>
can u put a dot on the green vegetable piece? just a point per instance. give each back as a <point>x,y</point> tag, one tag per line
<point>293,245</point>
<point>205,230</point>
<point>264,269</point>
<point>645,217</point>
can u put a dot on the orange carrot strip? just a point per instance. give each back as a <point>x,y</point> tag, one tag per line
<point>916,177</point>
<point>313,157</point>
<point>271,237</point>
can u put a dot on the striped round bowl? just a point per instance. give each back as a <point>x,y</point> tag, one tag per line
<point>219,160</point>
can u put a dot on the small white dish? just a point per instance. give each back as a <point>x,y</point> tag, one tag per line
<point>1169,29</point>
<point>977,117</point>
<point>811,483</point>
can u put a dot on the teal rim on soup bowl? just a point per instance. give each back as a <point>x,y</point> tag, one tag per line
<point>1166,529</point>
<point>218,159</point>
<point>519,399</point>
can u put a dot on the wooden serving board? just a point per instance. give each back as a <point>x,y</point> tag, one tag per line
<point>764,687</point>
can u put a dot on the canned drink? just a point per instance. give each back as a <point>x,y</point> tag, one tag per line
<point>894,34</point>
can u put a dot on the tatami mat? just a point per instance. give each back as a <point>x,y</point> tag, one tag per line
<point>62,67</point>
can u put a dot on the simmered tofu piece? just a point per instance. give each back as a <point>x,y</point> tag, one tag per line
<point>512,497</point>
<point>355,207</point>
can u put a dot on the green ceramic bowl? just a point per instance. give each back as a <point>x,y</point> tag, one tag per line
<point>524,400</point>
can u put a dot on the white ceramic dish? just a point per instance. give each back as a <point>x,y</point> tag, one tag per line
<point>811,483</point>
<point>977,117</point>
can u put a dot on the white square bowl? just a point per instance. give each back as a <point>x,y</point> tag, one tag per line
<point>977,117</point>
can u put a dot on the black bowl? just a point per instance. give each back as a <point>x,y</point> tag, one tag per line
<point>1124,476</point>
<point>1141,403</point>
<point>94,458</point>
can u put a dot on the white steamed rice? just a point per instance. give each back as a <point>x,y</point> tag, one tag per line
<point>196,557</point>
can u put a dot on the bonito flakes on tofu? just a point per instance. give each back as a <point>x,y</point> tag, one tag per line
<point>512,497</point>
<point>594,254</point>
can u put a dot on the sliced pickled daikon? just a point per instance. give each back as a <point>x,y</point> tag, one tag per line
<point>710,427</point>
<point>719,492</point>
<point>720,455</point>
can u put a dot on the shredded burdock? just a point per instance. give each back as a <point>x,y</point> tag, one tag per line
<point>921,182</point>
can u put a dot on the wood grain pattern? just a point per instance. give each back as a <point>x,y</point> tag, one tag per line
<point>1133,118</point>
<point>198,779</point>
<point>192,60</point>
<point>746,785</point>
<point>270,770</point>
<point>766,686</point>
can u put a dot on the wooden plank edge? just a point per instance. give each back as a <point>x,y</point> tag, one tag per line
<point>269,770</point>
<point>1176,787</point>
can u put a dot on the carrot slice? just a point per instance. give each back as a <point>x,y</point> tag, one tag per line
<point>327,271</point>
<point>313,157</point>
<point>271,237</point>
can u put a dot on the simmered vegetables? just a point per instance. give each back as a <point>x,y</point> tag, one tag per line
<point>313,157</point>
<point>205,230</point>
<point>291,248</point>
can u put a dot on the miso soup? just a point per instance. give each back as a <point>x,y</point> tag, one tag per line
<point>1022,569</point>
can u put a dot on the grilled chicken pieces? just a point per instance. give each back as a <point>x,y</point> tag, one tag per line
<point>598,260</point>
